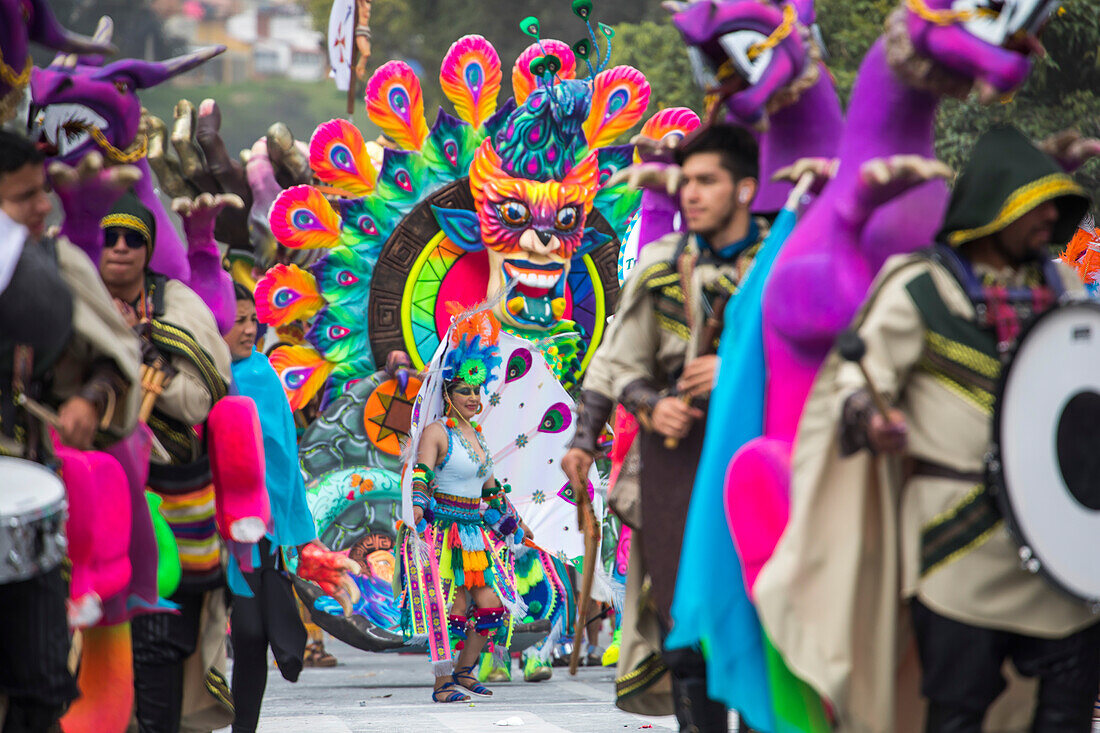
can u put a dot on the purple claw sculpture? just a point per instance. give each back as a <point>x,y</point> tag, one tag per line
<point>761,59</point>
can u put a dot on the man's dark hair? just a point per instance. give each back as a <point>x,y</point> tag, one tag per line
<point>736,145</point>
<point>243,293</point>
<point>17,151</point>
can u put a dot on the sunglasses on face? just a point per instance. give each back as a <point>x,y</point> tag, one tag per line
<point>133,240</point>
<point>467,391</point>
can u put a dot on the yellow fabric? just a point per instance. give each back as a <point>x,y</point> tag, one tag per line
<point>1021,201</point>
<point>126,221</point>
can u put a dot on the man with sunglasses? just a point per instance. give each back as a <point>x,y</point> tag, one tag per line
<point>181,341</point>
<point>97,359</point>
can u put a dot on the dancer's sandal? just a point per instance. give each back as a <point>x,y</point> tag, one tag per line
<point>476,688</point>
<point>450,694</point>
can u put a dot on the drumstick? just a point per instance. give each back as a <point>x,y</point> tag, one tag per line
<point>853,348</point>
<point>39,410</point>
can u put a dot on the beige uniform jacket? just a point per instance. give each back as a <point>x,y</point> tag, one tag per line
<point>187,397</point>
<point>653,333</point>
<point>831,597</point>
<point>98,331</point>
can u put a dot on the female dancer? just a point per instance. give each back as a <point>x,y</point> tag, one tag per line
<point>463,513</point>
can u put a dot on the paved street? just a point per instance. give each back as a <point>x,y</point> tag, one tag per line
<point>391,692</point>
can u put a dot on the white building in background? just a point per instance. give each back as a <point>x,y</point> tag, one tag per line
<point>282,38</point>
<point>263,38</point>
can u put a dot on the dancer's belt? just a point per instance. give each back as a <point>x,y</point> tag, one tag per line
<point>457,508</point>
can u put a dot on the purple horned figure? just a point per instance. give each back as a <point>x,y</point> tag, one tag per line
<point>23,21</point>
<point>887,198</point>
<point>763,61</point>
<point>84,111</point>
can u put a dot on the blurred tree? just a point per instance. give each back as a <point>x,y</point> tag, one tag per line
<point>1062,91</point>
<point>139,32</point>
<point>421,31</point>
<point>658,51</point>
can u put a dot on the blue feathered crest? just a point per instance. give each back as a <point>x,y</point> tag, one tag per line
<point>471,362</point>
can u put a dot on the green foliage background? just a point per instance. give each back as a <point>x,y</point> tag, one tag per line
<point>1063,90</point>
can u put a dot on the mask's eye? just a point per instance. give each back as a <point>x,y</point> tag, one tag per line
<point>738,47</point>
<point>566,219</point>
<point>515,213</point>
<point>121,87</point>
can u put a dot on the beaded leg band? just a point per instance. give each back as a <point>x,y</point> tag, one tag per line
<point>456,624</point>
<point>488,620</point>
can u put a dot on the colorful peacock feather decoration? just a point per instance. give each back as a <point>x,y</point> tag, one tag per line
<point>546,156</point>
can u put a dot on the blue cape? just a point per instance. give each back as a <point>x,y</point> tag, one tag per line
<point>711,608</point>
<point>291,522</point>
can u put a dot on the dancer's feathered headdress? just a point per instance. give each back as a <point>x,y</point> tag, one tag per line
<point>473,352</point>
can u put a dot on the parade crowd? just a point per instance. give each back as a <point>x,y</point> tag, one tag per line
<point>807,418</point>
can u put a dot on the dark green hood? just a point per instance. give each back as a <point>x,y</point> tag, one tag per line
<point>1006,177</point>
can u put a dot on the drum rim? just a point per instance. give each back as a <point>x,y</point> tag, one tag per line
<point>52,508</point>
<point>995,476</point>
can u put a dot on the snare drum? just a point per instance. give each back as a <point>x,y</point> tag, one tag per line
<point>32,520</point>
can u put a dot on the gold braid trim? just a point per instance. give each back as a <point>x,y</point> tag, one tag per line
<point>1021,201</point>
<point>181,342</point>
<point>946,17</point>
<point>12,79</point>
<point>9,100</point>
<point>960,353</point>
<point>126,221</point>
<point>777,36</point>
<point>134,153</point>
<point>641,677</point>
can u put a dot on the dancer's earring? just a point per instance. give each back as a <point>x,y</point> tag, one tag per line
<point>480,407</point>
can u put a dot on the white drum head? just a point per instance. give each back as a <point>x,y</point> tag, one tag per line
<point>27,487</point>
<point>1049,430</point>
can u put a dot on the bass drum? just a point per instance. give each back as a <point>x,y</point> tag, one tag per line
<point>1044,467</point>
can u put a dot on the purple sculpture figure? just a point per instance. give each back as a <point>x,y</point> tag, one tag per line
<point>762,59</point>
<point>23,21</point>
<point>883,201</point>
<point>82,106</point>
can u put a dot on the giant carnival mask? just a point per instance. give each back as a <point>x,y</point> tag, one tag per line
<point>748,52</point>
<point>80,106</point>
<point>513,203</point>
<point>531,207</point>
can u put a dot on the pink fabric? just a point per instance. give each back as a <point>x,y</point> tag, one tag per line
<point>757,518</point>
<point>98,527</point>
<point>132,454</point>
<point>237,463</point>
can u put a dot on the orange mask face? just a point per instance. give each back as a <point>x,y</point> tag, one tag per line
<point>532,229</point>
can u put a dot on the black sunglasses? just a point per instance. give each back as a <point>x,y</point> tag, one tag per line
<point>134,240</point>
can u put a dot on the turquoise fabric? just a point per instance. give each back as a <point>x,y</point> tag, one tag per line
<point>291,522</point>
<point>711,608</point>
